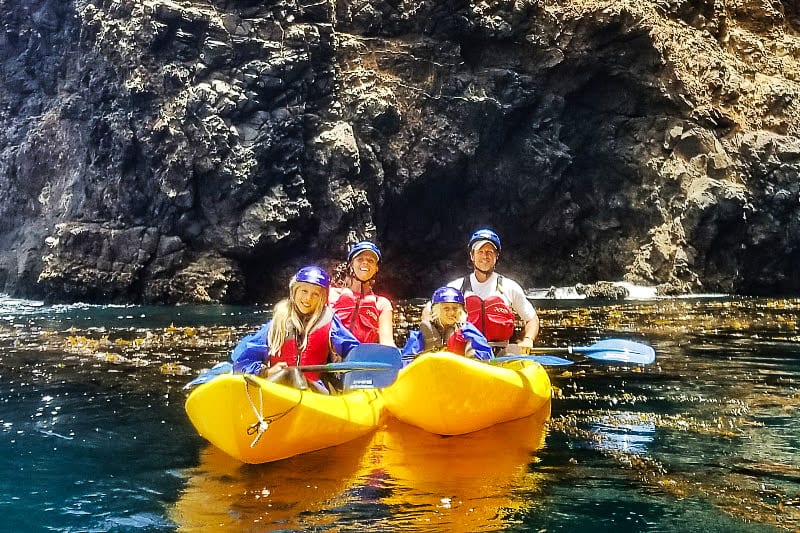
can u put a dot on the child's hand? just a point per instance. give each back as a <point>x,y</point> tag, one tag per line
<point>277,368</point>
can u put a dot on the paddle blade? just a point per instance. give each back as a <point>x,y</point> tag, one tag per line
<point>544,360</point>
<point>208,375</point>
<point>618,351</point>
<point>372,379</point>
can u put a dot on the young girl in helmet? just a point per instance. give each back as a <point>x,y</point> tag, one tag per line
<point>303,331</point>
<point>367,315</point>
<point>447,329</point>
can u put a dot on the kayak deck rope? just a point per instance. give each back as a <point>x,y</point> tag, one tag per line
<point>263,422</point>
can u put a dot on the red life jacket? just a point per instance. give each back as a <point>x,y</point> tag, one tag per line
<point>360,315</point>
<point>315,353</point>
<point>492,316</point>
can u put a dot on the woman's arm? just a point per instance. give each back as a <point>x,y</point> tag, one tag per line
<point>386,328</point>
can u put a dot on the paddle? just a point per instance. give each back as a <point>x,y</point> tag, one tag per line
<point>216,370</point>
<point>346,366</point>
<point>368,366</point>
<point>609,350</point>
<point>544,360</point>
<point>372,366</point>
<point>372,353</point>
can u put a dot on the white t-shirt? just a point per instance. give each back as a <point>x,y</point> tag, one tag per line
<point>510,291</point>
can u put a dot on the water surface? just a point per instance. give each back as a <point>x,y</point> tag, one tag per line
<point>95,437</point>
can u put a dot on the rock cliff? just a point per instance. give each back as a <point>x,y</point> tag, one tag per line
<point>179,151</point>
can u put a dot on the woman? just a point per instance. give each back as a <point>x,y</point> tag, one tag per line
<point>303,331</point>
<point>447,329</point>
<point>363,312</point>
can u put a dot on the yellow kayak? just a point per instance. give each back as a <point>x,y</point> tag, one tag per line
<point>257,421</point>
<point>449,394</point>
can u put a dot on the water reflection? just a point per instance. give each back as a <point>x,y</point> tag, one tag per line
<point>399,477</point>
<point>225,495</point>
<point>624,432</point>
<point>729,392</point>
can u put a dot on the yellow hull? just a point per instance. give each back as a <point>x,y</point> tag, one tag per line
<point>227,410</point>
<point>448,394</point>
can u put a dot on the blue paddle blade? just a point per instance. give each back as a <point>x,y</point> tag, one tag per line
<point>372,379</point>
<point>208,375</point>
<point>544,360</point>
<point>618,351</point>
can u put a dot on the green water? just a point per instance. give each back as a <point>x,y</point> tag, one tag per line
<point>95,437</point>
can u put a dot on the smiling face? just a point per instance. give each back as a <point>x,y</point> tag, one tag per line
<point>448,313</point>
<point>485,257</point>
<point>365,265</point>
<point>308,297</point>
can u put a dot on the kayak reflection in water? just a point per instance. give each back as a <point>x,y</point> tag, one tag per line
<point>303,331</point>
<point>447,329</point>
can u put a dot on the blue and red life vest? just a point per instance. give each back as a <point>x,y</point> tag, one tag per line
<point>435,339</point>
<point>431,337</point>
<point>492,316</point>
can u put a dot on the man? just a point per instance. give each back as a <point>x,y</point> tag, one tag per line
<point>492,299</point>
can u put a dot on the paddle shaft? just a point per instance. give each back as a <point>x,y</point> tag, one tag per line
<point>570,349</point>
<point>544,360</point>
<point>555,349</point>
<point>345,367</point>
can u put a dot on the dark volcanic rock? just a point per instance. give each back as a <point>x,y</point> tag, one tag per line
<point>168,151</point>
<point>602,290</point>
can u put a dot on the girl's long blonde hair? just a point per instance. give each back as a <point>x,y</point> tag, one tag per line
<point>287,321</point>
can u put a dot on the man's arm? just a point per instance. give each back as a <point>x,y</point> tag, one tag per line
<point>524,308</point>
<point>530,332</point>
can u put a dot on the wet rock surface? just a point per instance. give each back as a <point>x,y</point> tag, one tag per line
<point>169,151</point>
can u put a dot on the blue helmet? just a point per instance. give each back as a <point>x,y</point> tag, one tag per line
<point>484,234</point>
<point>363,246</point>
<point>444,295</point>
<point>312,274</point>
